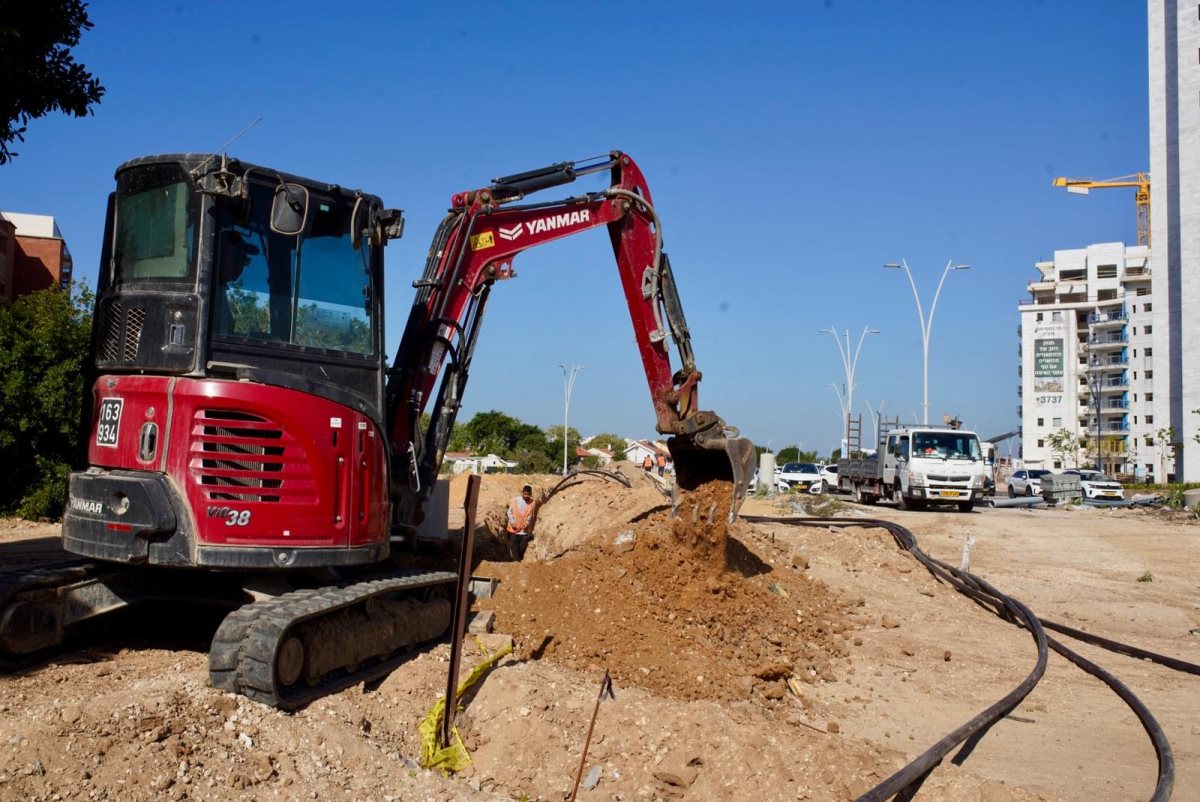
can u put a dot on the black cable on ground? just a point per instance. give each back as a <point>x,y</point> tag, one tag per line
<point>904,783</point>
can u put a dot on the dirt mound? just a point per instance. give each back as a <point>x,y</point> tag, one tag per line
<point>679,606</point>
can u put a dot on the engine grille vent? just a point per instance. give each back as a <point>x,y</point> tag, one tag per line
<point>135,317</point>
<point>110,342</point>
<point>239,456</point>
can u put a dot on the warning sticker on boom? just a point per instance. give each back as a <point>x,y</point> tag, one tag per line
<point>482,241</point>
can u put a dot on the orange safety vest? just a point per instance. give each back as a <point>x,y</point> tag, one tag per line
<point>647,463</point>
<point>520,519</point>
<point>662,461</point>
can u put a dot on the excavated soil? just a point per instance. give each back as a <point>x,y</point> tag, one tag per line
<point>679,606</point>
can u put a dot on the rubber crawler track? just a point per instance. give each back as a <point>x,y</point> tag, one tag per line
<point>242,656</point>
<point>16,581</point>
<point>904,784</point>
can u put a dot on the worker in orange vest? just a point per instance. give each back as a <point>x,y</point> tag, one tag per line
<point>662,463</point>
<point>648,463</point>
<point>520,523</point>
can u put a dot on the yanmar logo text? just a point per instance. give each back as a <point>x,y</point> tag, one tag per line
<point>88,506</point>
<point>544,224</point>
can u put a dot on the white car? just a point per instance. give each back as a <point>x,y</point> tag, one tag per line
<point>780,485</point>
<point>802,476</point>
<point>1097,485</point>
<point>1026,482</point>
<point>829,477</point>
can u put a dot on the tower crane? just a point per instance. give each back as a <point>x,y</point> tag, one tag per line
<point>1139,181</point>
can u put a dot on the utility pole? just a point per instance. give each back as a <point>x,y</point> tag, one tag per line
<point>926,323</point>
<point>848,365</point>
<point>568,386</point>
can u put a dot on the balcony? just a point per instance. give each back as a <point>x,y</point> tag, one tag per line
<point>1118,386</point>
<point>1112,363</point>
<point>1107,340</point>
<point>1114,317</point>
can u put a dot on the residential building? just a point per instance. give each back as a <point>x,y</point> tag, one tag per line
<point>1174,41</point>
<point>33,255</point>
<point>1088,361</point>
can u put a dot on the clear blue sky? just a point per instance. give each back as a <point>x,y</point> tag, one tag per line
<point>792,148</point>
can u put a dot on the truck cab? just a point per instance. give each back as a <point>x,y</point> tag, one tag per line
<point>934,466</point>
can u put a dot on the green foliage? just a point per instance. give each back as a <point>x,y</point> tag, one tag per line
<point>37,70</point>
<point>835,455</point>
<point>610,442</point>
<point>44,340</point>
<point>1064,444</point>
<point>1146,577</point>
<point>794,454</point>
<point>497,433</point>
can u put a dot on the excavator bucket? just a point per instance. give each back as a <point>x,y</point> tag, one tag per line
<point>710,455</point>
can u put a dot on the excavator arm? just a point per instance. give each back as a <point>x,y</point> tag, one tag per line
<point>474,248</point>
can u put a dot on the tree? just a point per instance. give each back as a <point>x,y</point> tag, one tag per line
<point>794,454</point>
<point>491,432</point>
<point>44,341</point>
<point>38,75</point>
<point>1064,443</point>
<point>554,436</point>
<point>610,442</point>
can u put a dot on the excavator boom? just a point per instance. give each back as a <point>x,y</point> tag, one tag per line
<point>474,248</point>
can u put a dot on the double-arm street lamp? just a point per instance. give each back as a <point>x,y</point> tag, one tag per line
<point>848,364</point>
<point>926,323</point>
<point>568,386</point>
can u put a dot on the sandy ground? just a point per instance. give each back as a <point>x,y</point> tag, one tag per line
<point>700,644</point>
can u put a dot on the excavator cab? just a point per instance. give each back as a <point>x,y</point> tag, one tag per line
<point>238,372</point>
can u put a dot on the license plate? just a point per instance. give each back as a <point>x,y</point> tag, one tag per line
<point>109,423</point>
<point>948,494</point>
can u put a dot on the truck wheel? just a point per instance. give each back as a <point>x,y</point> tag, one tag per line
<point>966,506</point>
<point>905,504</point>
<point>859,497</point>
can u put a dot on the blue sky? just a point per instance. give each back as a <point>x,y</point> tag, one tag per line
<point>791,149</point>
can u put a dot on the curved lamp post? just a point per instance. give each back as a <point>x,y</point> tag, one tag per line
<point>926,323</point>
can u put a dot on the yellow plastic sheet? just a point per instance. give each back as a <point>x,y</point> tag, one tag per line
<point>453,757</point>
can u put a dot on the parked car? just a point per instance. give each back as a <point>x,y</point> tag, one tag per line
<point>1026,482</point>
<point>780,485</point>
<point>802,476</point>
<point>829,477</point>
<point>1097,485</point>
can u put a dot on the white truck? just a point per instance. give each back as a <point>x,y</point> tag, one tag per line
<point>917,466</point>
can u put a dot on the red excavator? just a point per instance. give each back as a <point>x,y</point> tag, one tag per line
<point>250,446</point>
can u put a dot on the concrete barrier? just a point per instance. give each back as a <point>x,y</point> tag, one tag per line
<point>1191,498</point>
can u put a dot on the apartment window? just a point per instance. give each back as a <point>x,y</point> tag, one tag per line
<point>1041,443</point>
<point>1149,397</point>
<point>1147,330</point>
<point>1106,271</point>
<point>1135,420</point>
<point>1147,307</point>
<point>1133,309</point>
<point>1106,295</point>
<point>1149,374</point>
<point>1057,464</point>
<point>1039,317</point>
<point>1135,396</point>
<point>1135,375</point>
<point>1143,291</point>
<point>1148,352</point>
<point>1149,420</point>
<point>1056,317</point>
<point>1135,331</point>
<point>1149,441</point>
<point>1058,423</point>
<point>1135,353</point>
<point>1041,421</point>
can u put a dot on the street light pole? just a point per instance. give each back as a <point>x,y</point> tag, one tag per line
<point>876,414</point>
<point>926,323</point>
<point>848,365</point>
<point>568,385</point>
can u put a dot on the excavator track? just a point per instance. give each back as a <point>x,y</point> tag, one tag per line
<point>293,649</point>
<point>25,632</point>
